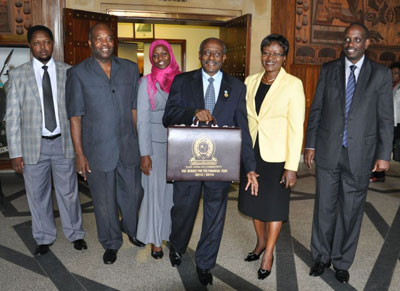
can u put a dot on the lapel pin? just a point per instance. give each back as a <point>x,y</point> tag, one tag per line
<point>226,95</point>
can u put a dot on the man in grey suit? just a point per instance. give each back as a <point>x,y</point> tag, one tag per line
<point>350,134</point>
<point>101,103</point>
<point>40,143</point>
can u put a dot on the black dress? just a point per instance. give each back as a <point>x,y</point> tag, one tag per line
<point>272,202</point>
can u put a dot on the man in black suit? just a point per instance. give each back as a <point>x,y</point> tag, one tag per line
<point>350,133</point>
<point>193,95</point>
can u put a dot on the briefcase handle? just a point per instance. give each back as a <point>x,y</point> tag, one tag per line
<point>213,122</point>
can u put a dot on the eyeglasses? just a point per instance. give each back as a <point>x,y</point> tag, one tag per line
<point>273,54</point>
<point>208,53</point>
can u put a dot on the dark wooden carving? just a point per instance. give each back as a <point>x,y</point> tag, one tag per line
<point>320,25</point>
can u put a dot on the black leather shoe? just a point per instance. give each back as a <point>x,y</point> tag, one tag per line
<point>110,256</point>
<point>205,276</point>
<point>136,242</point>
<point>175,258</point>
<point>253,257</point>
<point>318,269</point>
<point>80,244</point>
<point>262,274</point>
<point>342,276</point>
<point>42,250</point>
<point>157,255</point>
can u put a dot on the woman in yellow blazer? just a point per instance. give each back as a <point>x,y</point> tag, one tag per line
<point>275,109</point>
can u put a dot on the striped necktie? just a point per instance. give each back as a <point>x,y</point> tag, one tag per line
<point>351,86</point>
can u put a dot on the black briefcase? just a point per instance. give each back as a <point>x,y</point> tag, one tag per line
<point>197,153</point>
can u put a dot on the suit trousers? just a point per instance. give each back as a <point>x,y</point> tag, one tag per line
<point>338,213</point>
<point>183,214</point>
<point>37,177</point>
<point>114,191</point>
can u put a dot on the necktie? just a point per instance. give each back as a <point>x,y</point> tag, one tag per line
<point>351,86</point>
<point>49,115</point>
<point>209,99</point>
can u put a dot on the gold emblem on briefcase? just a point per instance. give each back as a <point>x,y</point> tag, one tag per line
<point>203,149</point>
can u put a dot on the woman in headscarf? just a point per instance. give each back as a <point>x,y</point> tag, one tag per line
<point>154,219</point>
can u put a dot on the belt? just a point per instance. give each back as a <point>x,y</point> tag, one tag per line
<point>51,137</point>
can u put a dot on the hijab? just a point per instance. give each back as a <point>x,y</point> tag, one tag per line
<point>163,77</point>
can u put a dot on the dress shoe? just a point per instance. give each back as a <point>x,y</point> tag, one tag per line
<point>136,242</point>
<point>342,276</point>
<point>318,269</point>
<point>175,258</point>
<point>262,273</point>
<point>42,250</point>
<point>110,256</point>
<point>205,276</point>
<point>80,244</point>
<point>253,257</point>
<point>157,254</point>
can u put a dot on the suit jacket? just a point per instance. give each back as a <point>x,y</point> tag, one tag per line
<point>279,124</point>
<point>370,120</point>
<point>186,95</point>
<point>105,105</point>
<point>24,113</point>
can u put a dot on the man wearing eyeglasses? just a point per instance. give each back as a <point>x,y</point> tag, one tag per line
<point>350,134</point>
<point>201,94</point>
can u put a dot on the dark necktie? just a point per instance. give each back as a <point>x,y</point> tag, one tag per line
<point>209,99</point>
<point>48,104</point>
<point>351,86</point>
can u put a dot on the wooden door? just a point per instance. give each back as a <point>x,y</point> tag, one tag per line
<point>77,24</point>
<point>236,34</point>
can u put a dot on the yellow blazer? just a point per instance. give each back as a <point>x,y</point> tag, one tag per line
<point>279,124</point>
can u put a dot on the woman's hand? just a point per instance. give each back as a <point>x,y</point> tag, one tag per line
<point>146,165</point>
<point>289,178</point>
<point>252,180</point>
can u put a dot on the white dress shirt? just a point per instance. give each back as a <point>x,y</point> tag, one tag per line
<point>37,67</point>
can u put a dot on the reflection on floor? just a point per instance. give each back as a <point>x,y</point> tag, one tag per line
<point>376,267</point>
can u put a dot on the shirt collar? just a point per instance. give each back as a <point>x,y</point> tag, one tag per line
<point>358,64</point>
<point>216,77</point>
<point>38,64</point>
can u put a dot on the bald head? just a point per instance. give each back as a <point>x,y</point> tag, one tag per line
<point>97,26</point>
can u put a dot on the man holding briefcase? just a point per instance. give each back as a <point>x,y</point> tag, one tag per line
<point>201,94</point>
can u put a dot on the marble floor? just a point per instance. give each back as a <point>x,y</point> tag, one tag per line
<point>376,267</point>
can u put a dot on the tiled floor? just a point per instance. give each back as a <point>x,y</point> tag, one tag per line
<point>376,267</point>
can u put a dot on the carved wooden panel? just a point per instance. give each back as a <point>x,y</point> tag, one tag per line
<point>16,16</point>
<point>320,24</point>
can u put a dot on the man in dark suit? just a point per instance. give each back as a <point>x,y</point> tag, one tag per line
<point>201,94</point>
<point>350,133</point>
<point>101,97</point>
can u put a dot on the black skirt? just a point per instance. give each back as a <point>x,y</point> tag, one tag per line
<point>272,202</point>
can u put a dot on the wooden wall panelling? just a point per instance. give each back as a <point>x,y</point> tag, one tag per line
<point>283,22</point>
<point>308,74</point>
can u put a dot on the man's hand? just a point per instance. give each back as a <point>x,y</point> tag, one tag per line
<point>146,165</point>
<point>380,166</point>
<point>309,155</point>
<point>82,165</point>
<point>289,178</point>
<point>18,165</point>
<point>203,115</point>
<point>252,180</point>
